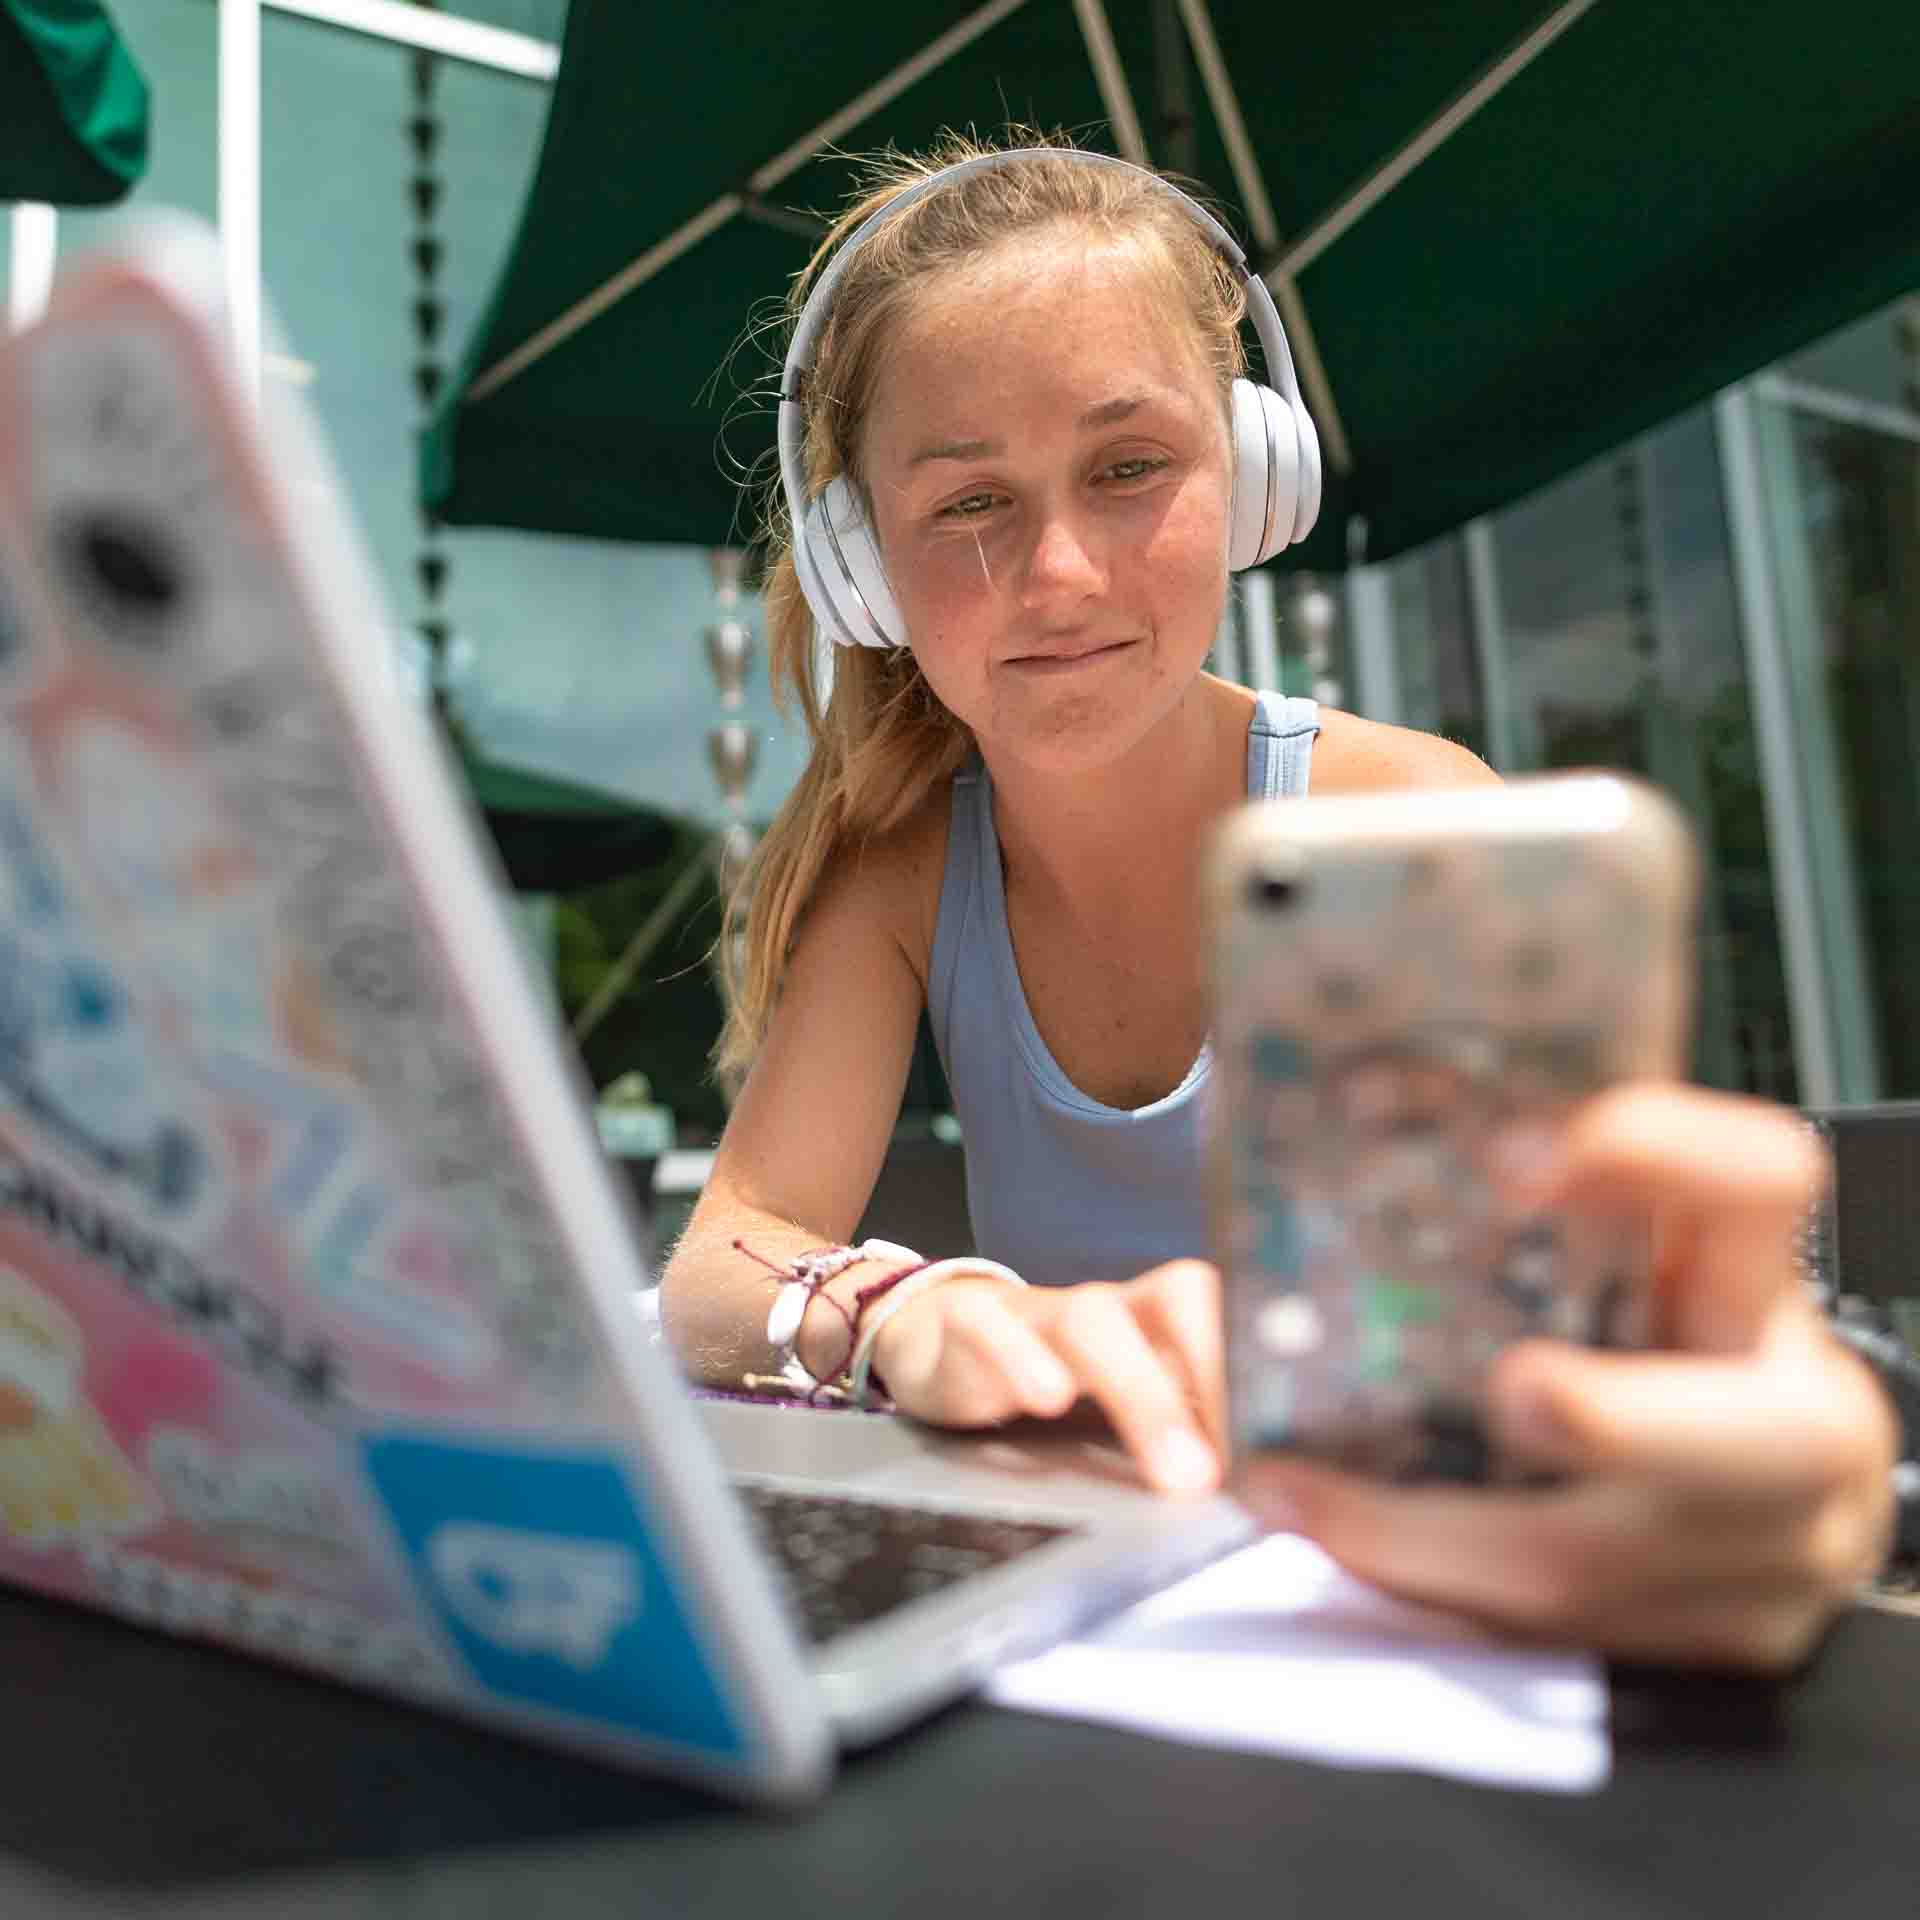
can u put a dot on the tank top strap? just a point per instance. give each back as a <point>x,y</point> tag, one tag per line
<point>1280,741</point>
<point>959,896</point>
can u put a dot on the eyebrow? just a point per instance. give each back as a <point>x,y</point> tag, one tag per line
<point>1104,415</point>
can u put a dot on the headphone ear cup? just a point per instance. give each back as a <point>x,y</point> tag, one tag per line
<point>1308,509</point>
<point>841,575</point>
<point>1266,475</point>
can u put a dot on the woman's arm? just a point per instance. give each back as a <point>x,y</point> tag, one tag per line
<point>804,1144</point>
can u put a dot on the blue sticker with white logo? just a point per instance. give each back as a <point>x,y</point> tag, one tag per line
<point>540,1568</point>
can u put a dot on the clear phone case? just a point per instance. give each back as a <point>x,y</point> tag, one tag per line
<point>1409,985</point>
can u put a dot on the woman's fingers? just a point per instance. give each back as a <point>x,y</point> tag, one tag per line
<point>963,1357</point>
<point>1793,1423</point>
<point>1717,1508</point>
<point>1149,1393</point>
<point>1178,1307</point>
<point>972,1354</point>
<point>1727,1181</point>
<point>987,1336</point>
<point>1605,1564</point>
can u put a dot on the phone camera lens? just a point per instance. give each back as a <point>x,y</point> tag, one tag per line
<point>125,570</point>
<point>1272,891</point>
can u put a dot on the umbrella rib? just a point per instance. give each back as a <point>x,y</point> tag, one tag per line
<point>638,272</point>
<point>1448,121</point>
<point>935,53</point>
<point>1115,95</point>
<point>716,213</point>
<point>1266,230</point>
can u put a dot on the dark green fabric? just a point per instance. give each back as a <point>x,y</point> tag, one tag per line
<point>73,106</point>
<point>556,836</point>
<point>1677,192</point>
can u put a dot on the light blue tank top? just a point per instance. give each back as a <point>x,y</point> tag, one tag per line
<point>1060,1187</point>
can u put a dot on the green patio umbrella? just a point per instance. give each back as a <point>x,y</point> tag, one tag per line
<point>73,106</point>
<point>1509,237</point>
<point>556,835</point>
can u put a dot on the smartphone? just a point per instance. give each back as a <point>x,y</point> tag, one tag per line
<point>1408,986</point>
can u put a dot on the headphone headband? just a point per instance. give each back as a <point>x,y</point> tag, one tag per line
<point>819,303</point>
<point>1276,453</point>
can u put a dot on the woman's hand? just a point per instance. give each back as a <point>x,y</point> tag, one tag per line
<point>1727,1494</point>
<point>972,1353</point>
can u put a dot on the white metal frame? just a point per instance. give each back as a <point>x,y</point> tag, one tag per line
<point>239,178</point>
<point>433,32</point>
<point>1815,899</point>
<point>1845,409</point>
<point>1490,646</point>
<point>33,232</point>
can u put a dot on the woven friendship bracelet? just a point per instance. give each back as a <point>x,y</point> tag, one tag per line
<point>803,1279</point>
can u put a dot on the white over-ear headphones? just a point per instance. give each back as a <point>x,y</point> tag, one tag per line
<point>1276,453</point>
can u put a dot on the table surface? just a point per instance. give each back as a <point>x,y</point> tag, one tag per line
<point>144,1776</point>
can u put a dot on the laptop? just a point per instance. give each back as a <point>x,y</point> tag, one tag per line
<point>318,1328</point>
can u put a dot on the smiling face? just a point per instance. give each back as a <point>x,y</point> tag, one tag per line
<point>1046,454</point>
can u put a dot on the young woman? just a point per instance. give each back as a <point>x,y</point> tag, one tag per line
<point>1012,422</point>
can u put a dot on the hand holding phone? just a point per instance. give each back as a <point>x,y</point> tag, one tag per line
<point>1413,991</point>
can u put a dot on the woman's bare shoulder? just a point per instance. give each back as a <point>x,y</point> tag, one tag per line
<point>893,879</point>
<point>1353,755</point>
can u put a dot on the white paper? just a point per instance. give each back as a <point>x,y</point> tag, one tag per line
<point>1276,1650</point>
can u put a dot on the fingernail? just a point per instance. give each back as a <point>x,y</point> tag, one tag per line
<point>1183,1462</point>
<point>1046,1381</point>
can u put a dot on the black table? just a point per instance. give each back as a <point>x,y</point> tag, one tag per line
<point>142,1776</point>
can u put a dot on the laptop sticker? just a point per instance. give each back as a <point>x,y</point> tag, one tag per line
<point>174,602</point>
<point>62,1479</point>
<point>542,1571</point>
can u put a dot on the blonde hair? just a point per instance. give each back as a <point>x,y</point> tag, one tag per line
<point>881,743</point>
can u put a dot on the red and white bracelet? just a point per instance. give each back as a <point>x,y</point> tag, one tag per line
<point>802,1280</point>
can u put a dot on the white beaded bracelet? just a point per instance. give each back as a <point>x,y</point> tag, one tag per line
<point>964,1267</point>
<point>805,1278</point>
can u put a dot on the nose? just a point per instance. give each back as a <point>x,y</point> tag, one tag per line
<point>1064,564</point>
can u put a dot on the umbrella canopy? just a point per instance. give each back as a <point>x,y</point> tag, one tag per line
<point>73,106</point>
<point>1503,239</point>
<point>556,835</point>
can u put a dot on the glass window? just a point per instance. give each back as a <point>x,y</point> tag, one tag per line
<point>1439,678</point>
<point>1620,647</point>
<point>1876,359</point>
<point>1860,493</point>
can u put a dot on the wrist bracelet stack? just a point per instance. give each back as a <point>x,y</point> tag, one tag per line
<point>804,1279</point>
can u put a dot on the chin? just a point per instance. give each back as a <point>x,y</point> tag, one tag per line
<point>1080,734</point>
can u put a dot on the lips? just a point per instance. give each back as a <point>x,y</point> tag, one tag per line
<point>1068,658</point>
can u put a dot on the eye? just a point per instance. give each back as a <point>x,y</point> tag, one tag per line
<point>969,507</point>
<point>1139,466</point>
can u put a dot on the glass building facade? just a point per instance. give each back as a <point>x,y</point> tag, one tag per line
<point>1730,605</point>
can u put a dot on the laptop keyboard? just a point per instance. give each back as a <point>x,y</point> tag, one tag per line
<point>844,1562</point>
